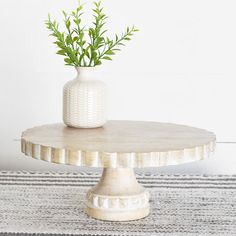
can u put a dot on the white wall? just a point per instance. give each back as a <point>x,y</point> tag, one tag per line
<point>179,68</point>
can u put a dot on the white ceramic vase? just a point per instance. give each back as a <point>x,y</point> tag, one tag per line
<point>84,100</point>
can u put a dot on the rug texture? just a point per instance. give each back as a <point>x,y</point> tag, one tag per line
<point>53,204</point>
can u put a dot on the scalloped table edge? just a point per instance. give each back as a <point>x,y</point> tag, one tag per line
<point>116,159</point>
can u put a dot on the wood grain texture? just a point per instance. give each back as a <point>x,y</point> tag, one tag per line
<point>119,144</point>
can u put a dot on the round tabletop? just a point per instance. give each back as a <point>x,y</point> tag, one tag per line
<point>119,144</point>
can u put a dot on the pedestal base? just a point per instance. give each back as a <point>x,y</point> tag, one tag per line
<point>118,197</point>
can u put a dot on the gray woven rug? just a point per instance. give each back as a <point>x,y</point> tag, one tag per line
<point>52,204</point>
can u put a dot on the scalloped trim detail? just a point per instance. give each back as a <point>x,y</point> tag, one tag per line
<point>103,202</point>
<point>116,160</point>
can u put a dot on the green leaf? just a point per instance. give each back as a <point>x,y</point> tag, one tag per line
<point>91,32</point>
<point>54,35</point>
<point>106,58</point>
<point>61,52</point>
<point>79,8</point>
<point>64,13</point>
<point>68,39</point>
<point>109,52</point>
<point>76,38</point>
<point>86,52</point>
<point>103,32</point>
<point>81,43</point>
<point>96,11</point>
<point>68,24</point>
<point>94,54</point>
<point>81,57</point>
<point>68,60</point>
<point>81,35</point>
<point>77,21</point>
<point>60,44</point>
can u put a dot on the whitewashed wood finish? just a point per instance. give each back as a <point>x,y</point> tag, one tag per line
<point>84,100</point>
<point>119,144</point>
<point>118,147</point>
<point>118,197</point>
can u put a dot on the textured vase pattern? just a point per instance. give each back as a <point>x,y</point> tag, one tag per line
<point>84,101</point>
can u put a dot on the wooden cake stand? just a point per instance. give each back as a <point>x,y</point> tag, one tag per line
<point>118,147</point>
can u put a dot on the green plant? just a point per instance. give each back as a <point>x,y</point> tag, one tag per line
<point>83,46</point>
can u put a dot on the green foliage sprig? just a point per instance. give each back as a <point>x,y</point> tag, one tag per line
<point>83,46</point>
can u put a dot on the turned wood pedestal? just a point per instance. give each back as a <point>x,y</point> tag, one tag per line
<point>118,147</point>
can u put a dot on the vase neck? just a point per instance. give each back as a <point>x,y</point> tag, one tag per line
<point>85,73</point>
